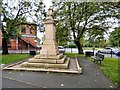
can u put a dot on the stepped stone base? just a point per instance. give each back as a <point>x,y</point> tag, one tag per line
<point>58,61</point>
<point>46,60</point>
<point>49,56</point>
<point>47,65</point>
<point>73,67</point>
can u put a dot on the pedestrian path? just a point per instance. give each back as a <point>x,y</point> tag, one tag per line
<point>90,78</point>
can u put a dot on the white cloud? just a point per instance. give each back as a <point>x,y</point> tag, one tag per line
<point>47,3</point>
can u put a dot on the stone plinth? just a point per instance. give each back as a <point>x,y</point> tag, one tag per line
<point>58,61</point>
<point>47,64</point>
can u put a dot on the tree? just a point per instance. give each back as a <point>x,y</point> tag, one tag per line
<point>115,37</point>
<point>62,35</point>
<point>15,12</point>
<point>94,36</point>
<point>83,17</point>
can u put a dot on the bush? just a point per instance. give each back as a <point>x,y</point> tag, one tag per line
<point>70,46</point>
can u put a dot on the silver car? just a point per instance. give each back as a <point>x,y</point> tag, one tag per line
<point>61,49</point>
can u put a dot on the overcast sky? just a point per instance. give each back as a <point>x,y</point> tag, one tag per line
<point>47,3</point>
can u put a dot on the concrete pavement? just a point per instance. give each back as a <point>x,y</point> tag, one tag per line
<point>92,77</point>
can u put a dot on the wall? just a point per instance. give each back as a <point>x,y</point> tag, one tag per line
<point>23,42</point>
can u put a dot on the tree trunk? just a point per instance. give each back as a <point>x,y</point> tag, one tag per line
<point>4,46</point>
<point>79,46</point>
<point>4,41</point>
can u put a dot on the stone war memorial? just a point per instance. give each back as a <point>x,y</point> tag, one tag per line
<point>49,59</point>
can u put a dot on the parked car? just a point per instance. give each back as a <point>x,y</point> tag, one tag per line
<point>117,52</point>
<point>61,49</point>
<point>107,50</point>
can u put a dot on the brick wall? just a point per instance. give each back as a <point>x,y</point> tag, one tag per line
<point>23,42</point>
<point>13,44</point>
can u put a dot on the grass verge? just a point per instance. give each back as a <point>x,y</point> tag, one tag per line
<point>74,55</point>
<point>13,57</point>
<point>110,69</point>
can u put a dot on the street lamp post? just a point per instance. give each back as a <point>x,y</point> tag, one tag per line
<point>94,45</point>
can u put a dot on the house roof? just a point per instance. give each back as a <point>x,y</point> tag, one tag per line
<point>27,23</point>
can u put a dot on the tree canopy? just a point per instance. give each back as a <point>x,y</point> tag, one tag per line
<point>14,12</point>
<point>115,37</point>
<point>81,17</point>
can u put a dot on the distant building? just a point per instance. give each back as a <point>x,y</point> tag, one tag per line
<point>28,39</point>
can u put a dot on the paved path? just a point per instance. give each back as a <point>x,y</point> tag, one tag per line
<point>91,78</point>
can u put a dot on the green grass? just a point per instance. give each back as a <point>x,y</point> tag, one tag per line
<point>74,55</point>
<point>13,57</point>
<point>90,48</point>
<point>110,68</point>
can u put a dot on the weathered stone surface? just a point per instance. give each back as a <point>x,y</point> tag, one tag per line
<point>49,56</point>
<point>47,60</point>
<point>72,67</point>
<point>46,65</point>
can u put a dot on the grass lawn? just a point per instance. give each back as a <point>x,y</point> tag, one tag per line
<point>91,48</point>
<point>110,68</point>
<point>13,57</point>
<point>74,55</point>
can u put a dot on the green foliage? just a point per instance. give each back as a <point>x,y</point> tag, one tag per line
<point>74,55</point>
<point>115,37</point>
<point>70,46</point>
<point>62,34</point>
<point>98,42</point>
<point>16,12</point>
<point>13,57</point>
<point>110,69</point>
<point>80,18</point>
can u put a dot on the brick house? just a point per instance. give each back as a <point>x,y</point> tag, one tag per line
<point>28,40</point>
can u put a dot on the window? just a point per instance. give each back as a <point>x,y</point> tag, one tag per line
<point>35,32</point>
<point>23,29</point>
